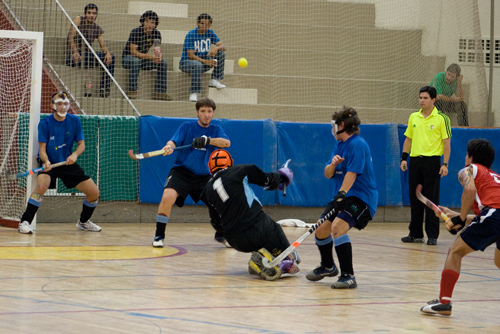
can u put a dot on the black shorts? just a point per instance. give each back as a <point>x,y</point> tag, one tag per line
<point>356,213</point>
<point>264,234</point>
<point>483,230</point>
<point>186,183</point>
<point>70,175</point>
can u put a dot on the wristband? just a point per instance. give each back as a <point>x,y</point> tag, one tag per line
<point>445,164</point>
<point>404,156</point>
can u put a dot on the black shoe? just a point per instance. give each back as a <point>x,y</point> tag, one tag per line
<point>103,93</point>
<point>432,241</point>
<point>345,281</point>
<point>435,307</point>
<point>412,239</point>
<point>321,272</point>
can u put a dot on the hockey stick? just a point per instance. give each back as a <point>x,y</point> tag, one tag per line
<point>428,202</point>
<point>277,260</point>
<point>151,154</point>
<point>32,171</point>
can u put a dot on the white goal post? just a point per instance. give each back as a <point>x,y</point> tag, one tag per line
<point>36,40</point>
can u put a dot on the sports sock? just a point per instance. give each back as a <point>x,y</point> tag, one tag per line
<point>448,280</point>
<point>87,210</point>
<point>344,253</point>
<point>325,247</point>
<point>161,225</point>
<point>31,209</point>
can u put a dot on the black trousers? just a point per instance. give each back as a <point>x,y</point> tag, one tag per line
<point>424,171</point>
<point>265,233</point>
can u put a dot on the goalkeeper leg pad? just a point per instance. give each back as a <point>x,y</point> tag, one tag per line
<point>255,266</point>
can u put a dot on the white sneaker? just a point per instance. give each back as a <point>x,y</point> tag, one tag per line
<point>158,242</point>
<point>216,84</point>
<point>88,226</point>
<point>25,228</point>
<point>193,97</point>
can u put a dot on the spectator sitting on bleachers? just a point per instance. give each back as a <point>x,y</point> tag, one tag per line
<point>450,98</point>
<point>90,30</point>
<point>135,56</point>
<point>198,56</point>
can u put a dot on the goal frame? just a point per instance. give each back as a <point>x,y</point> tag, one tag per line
<point>35,101</point>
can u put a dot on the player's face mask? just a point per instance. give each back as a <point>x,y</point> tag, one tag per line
<point>61,106</point>
<point>335,129</point>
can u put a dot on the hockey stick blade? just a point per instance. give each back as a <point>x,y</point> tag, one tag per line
<point>32,171</point>
<point>277,260</point>
<point>429,204</point>
<point>140,156</point>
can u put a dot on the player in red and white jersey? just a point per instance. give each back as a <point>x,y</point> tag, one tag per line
<point>487,184</point>
<point>481,194</point>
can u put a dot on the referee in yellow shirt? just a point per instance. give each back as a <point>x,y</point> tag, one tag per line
<point>428,138</point>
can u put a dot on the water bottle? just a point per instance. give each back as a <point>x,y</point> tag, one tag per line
<point>157,47</point>
<point>88,87</point>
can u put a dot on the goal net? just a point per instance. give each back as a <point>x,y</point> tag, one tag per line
<point>20,82</point>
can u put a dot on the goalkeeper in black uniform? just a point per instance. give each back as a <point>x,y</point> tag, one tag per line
<point>236,212</point>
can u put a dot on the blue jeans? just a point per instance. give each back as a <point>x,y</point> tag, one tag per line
<point>135,64</point>
<point>89,61</point>
<point>195,68</point>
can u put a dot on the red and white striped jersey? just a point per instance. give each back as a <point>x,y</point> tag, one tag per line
<point>488,188</point>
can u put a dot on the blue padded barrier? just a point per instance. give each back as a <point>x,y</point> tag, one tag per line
<point>269,144</point>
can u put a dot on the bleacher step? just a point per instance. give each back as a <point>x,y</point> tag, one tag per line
<point>162,9</point>
<point>228,66</point>
<point>233,95</point>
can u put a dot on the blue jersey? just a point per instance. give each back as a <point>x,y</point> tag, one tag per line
<point>196,160</point>
<point>59,136</point>
<point>199,43</point>
<point>358,159</point>
<point>338,175</point>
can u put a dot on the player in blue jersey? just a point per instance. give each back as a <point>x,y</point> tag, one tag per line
<point>56,135</point>
<point>190,173</point>
<point>202,51</point>
<point>355,202</point>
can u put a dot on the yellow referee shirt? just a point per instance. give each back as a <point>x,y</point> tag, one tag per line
<point>427,134</point>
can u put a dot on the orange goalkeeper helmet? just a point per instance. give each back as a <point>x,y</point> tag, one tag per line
<point>219,159</point>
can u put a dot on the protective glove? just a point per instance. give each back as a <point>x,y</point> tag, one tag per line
<point>200,142</point>
<point>286,177</point>
<point>457,221</point>
<point>339,201</point>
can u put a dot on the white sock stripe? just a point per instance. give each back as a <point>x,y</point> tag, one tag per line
<point>446,298</point>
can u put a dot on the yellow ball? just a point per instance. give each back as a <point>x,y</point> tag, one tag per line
<point>242,62</point>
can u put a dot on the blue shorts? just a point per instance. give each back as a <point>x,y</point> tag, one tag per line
<point>483,230</point>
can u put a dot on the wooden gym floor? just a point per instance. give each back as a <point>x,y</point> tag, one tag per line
<point>61,280</point>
